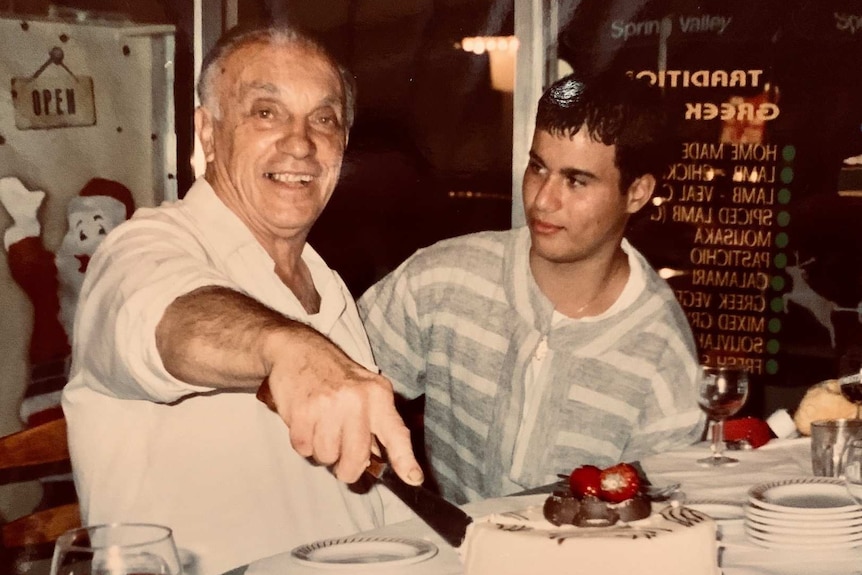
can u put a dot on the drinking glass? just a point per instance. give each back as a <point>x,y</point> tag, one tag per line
<point>850,379</point>
<point>851,462</point>
<point>116,549</point>
<point>722,392</point>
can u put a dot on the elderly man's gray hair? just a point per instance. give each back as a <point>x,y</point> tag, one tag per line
<point>238,37</point>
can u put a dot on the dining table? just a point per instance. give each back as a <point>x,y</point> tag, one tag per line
<point>780,460</point>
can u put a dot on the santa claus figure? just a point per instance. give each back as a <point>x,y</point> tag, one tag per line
<point>53,282</point>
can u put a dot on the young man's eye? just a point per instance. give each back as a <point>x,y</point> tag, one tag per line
<point>535,167</point>
<point>575,182</point>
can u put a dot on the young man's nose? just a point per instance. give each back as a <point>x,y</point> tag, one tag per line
<point>548,194</point>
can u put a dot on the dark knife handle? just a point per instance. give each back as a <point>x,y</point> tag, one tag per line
<point>446,518</point>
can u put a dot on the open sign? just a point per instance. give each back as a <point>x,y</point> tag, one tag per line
<point>54,102</point>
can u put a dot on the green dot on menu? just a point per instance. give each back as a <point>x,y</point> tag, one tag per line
<point>780,261</point>
<point>784,196</point>
<point>781,240</point>
<point>774,325</point>
<point>788,153</point>
<point>771,367</point>
<point>787,175</point>
<point>776,304</point>
<point>772,346</point>
<point>777,283</point>
<point>783,219</point>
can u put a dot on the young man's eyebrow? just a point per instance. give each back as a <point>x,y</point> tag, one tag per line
<point>566,172</point>
<point>576,173</point>
<point>536,157</point>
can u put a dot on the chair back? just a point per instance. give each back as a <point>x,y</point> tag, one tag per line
<point>30,454</point>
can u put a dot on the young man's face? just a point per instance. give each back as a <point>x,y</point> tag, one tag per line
<point>572,198</point>
<point>274,152</point>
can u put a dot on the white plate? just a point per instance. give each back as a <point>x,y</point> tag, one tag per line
<point>804,530</point>
<point>719,510</point>
<point>842,518</point>
<point>355,551</point>
<point>809,495</point>
<point>803,540</point>
<point>809,546</point>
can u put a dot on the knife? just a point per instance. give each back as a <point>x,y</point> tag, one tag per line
<point>446,518</point>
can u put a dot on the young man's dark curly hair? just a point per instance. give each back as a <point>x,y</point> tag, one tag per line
<point>616,110</point>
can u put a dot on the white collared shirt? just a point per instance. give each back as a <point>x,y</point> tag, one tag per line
<point>218,468</point>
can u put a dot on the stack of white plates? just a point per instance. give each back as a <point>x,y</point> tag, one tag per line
<point>805,513</point>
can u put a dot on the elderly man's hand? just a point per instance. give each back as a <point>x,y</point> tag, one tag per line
<point>335,408</point>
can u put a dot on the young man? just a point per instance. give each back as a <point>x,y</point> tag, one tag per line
<point>555,345</point>
<point>187,308</point>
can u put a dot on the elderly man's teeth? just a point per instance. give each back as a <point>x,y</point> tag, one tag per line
<point>288,178</point>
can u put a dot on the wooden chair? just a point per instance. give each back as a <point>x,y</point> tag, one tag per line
<point>28,455</point>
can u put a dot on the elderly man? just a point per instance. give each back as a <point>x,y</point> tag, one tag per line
<point>188,307</point>
<point>554,345</point>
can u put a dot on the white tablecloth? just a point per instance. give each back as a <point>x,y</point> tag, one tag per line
<point>775,461</point>
<point>778,460</point>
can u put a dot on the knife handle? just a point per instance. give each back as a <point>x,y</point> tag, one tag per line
<point>376,466</point>
<point>447,519</point>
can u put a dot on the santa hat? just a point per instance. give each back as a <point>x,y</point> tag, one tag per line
<point>111,189</point>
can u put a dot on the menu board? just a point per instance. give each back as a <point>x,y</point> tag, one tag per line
<point>731,195</point>
<point>757,220</point>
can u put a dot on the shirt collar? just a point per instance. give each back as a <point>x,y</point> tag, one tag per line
<point>230,235</point>
<point>231,241</point>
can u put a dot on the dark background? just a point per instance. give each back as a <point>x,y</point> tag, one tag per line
<point>430,155</point>
<point>814,68</point>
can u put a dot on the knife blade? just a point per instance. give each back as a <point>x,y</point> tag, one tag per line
<point>447,519</point>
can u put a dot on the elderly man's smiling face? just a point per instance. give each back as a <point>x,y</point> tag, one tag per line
<point>275,144</point>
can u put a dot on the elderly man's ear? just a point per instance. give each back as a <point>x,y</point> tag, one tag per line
<point>204,130</point>
<point>639,193</point>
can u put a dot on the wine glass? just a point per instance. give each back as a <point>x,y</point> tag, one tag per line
<point>851,464</point>
<point>722,392</point>
<point>116,549</point>
<point>850,380</point>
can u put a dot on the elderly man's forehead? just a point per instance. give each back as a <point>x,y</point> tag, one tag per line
<point>257,88</point>
<point>237,61</point>
<point>275,44</point>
